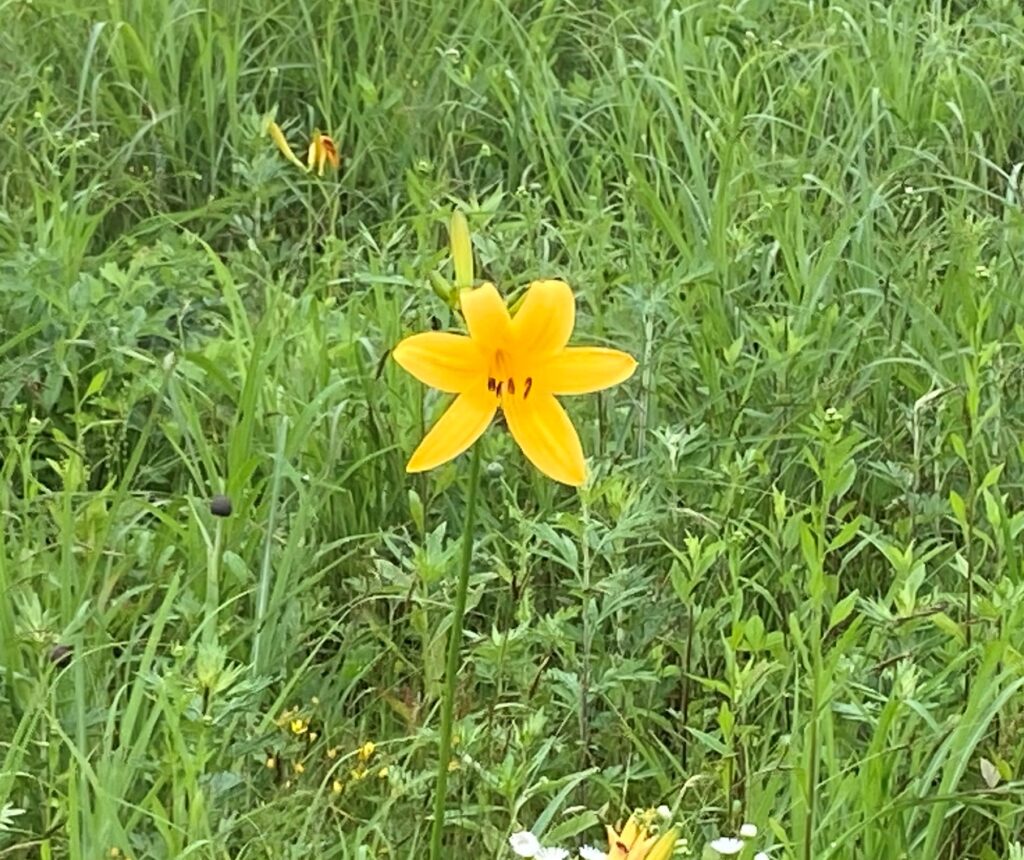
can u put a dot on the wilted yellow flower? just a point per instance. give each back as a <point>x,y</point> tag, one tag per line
<point>322,152</point>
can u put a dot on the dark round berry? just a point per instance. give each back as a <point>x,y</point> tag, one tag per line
<point>220,506</point>
<point>60,655</point>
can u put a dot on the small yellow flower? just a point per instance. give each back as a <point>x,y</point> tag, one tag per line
<point>299,726</point>
<point>271,762</point>
<point>367,750</point>
<point>332,752</point>
<point>299,767</point>
<point>322,152</point>
<point>517,364</point>
<point>382,773</point>
<point>453,765</point>
<point>337,786</point>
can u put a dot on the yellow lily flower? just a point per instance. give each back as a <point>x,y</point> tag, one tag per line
<point>322,152</point>
<point>518,364</point>
<point>632,843</point>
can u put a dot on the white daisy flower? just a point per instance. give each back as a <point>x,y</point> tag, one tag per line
<point>524,844</point>
<point>748,831</point>
<point>588,852</point>
<point>727,845</point>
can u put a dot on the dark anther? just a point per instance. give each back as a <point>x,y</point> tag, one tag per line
<point>497,389</point>
<point>511,386</point>
<point>490,383</point>
<point>529,385</point>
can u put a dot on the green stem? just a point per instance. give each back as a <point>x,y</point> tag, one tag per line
<point>452,667</point>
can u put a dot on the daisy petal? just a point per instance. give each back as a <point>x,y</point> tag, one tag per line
<point>447,362</point>
<point>459,427</point>
<point>545,433</point>
<point>544,322</point>
<point>585,369</point>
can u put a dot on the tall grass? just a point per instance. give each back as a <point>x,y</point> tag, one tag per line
<point>792,592</point>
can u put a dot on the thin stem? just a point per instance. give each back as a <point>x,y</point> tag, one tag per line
<point>452,667</point>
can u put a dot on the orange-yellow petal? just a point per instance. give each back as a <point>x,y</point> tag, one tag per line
<point>544,321</point>
<point>617,849</point>
<point>641,846</point>
<point>330,150</point>
<point>460,426</point>
<point>663,848</point>
<point>545,433</point>
<point>448,362</point>
<point>486,316</point>
<point>630,831</point>
<point>585,369</point>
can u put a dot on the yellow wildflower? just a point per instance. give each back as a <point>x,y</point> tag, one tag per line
<point>518,364</point>
<point>322,152</point>
<point>367,750</point>
<point>635,842</point>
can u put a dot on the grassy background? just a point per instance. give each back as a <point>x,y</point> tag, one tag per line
<point>792,593</point>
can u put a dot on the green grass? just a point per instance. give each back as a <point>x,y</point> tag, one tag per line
<point>792,593</point>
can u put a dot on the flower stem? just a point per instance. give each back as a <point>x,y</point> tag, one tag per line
<point>452,667</point>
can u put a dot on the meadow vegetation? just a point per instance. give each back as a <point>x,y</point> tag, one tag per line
<point>791,592</point>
